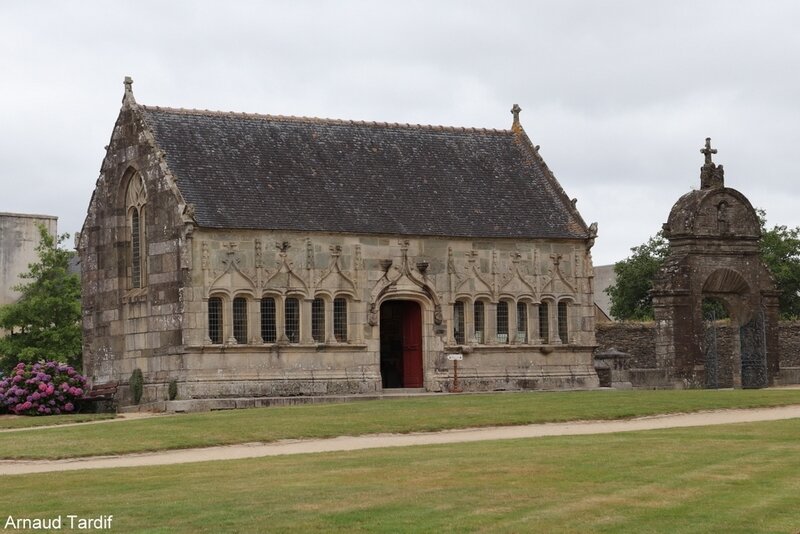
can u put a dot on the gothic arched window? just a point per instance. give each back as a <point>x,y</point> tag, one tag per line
<point>291,316</point>
<point>458,322</point>
<point>502,322</point>
<point>479,320</point>
<point>340,319</point>
<point>544,322</point>
<point>268,325</point>
<point>240,320</point>
<point>318,320</point>
<point>135,199</point>
<point>215,320</point>
<point>563,322</point>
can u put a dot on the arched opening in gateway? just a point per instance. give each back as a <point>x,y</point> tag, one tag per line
<point>720,344</point>
<point>401,344</point>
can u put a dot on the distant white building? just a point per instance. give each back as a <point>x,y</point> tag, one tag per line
<point>19,237</point>
<point>604,277</point>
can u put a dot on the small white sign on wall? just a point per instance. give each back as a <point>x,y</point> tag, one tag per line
<point>455,357</point>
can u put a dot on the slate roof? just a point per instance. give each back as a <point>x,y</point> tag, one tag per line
<point>291,173</point>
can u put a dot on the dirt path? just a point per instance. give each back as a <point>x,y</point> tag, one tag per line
<point>349,443</point>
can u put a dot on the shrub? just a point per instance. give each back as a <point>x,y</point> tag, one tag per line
<point>43,388</point>
<point>137,385</point>
<point>173,389</point>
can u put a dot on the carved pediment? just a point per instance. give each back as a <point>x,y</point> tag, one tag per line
<point>404,279</point>
<point>514,283</point>
<point>232,277</point>
<point>284,278</point>
<point>333,278</point>
<point>556,283</point>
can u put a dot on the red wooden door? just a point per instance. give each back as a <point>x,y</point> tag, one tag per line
<point>412,345</point>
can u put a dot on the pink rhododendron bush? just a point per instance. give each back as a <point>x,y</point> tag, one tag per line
<point>44,388</point>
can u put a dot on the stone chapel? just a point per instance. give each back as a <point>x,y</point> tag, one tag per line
<point>243,255</point>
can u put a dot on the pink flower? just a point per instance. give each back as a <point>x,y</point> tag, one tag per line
<point>42,386</point>
<point>68,407</point>
<point>50,389</point>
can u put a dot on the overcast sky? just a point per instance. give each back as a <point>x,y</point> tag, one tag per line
<point>619,94</point>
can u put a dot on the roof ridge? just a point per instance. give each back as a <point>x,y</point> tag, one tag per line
<point>321,120</point>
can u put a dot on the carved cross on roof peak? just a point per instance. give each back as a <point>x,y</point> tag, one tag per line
<point>515,112</point>
<point>707,151</point>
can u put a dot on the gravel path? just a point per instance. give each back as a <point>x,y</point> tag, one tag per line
<point>349,443</point>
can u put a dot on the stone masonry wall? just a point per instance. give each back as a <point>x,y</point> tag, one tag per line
<point>790,343</point>
<point>638,339</point>
<point>125,327</point>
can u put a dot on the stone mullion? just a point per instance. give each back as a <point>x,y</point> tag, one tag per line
<point>227,321</point>
<point>469,322</point>
<point>512,323</point>
<point>203,313</point>
<point>356,319</point>
<point>254,321</point>
<point>305,320</point>
<point>280,319</point>
<point>531,320</point>
<point>329,338</point>
<point>491,323</point>
<point>553,324</point>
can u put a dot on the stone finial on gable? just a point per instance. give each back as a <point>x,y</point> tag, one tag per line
<point>712,176</point>
<point>127,98</point>
<point>515,112</point>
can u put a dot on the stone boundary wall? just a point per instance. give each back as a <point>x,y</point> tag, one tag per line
<point>790,343</point>
<point>634,338</point>
<point>638,340</point>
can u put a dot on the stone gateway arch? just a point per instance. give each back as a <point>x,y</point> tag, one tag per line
<point>713,238</point>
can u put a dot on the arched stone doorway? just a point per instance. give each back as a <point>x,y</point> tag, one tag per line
<point>714,237</point>
<point>401,344</point>
<point>735,355</point>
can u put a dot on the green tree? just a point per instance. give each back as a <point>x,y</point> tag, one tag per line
<point>630,294</point>
<point>780,250</point>
<point>44,324</point>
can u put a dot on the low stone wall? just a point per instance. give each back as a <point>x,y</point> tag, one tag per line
<point>790,343</point>
<point>638,340</point>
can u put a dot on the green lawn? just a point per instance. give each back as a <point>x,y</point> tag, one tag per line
<point>736,478</point>
<point>401,415</point>
<point>20,421</point>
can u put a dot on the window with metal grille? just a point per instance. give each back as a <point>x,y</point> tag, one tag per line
<point>240,320</point>
<point>522,322</point>
<point>340,319</point>
<point>318,320</point>
<point>135,199</point>
<point>458,322</point>
<point>477,310</point>
<point>502,322</point>
<point>268,329</point>
<point>215,320</point>
<point>291,315</point>
<point>544,322</point>
<point>563,322</point>
<point>136,249</point>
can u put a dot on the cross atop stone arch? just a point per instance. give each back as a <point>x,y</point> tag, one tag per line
<point>707,151</point>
